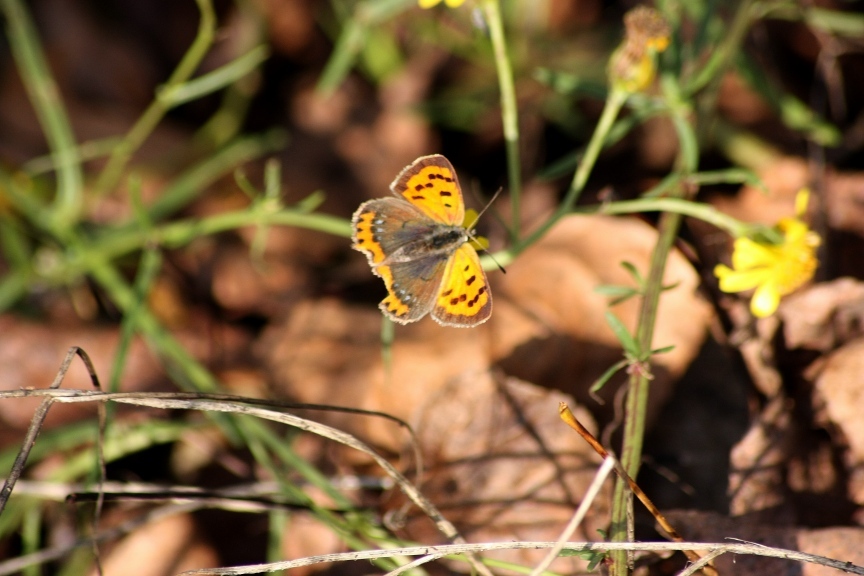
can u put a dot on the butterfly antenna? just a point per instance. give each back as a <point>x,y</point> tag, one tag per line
<point>501,268</point>
<point>479,246</point>
<point>487,206</point>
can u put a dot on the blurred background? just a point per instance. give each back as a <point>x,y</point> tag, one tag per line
<point>140,145</point>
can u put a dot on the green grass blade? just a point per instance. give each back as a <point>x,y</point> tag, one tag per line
<point>215,80</point>
<point>46,100</point>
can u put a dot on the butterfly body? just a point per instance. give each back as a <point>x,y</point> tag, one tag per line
<point>416,243</point>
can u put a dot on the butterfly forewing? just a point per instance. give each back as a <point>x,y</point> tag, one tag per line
<point>463,298</point>
<point>384,226</point>
<point>430,184</point>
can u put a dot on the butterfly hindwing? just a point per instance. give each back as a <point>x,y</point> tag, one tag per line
<point>430,184</point>
<point>463,298</point>
<point>386,230</point>
<point>411,287</point>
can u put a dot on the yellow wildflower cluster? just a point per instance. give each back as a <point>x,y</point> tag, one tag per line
<point>774,269</point>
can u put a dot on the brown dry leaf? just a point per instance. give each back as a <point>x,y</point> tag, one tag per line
<point>291,25</point>
<point>549,323</point>
<point>502,466</point>
<point>845,202</point>
<point>485,442</point>
<point>330,353</point>
<point>755,340</point>
<point>241,287</point>
<point>840,395</point>
<point>306,536</point>
<point>783,178</point>
<point>839,543</point>
<point>823,316</point>
<point>740,103</point>
<point>161,548</point>
<point>757,473</point>
<point>32,354</point>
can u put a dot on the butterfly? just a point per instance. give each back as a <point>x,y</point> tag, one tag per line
<point>417,244</point>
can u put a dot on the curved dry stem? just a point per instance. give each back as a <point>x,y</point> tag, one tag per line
<point>454,549</point>
<point>239,405</point>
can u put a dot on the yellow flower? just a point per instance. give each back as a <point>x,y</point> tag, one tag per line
<point>773,269</point>
<point>471,217</point>
<point>431,3</point>
<point>633,65</point>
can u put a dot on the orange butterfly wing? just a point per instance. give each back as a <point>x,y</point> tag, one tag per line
<point>430,184</point>
<point>464,299</point>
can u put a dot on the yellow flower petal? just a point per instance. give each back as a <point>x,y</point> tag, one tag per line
<point>792,229</point>
<point>480,242</point>
<point>765,300</point>
<point>739,281</point>
<point>749,254</point>
<point>802,199</point>
<point>427,3</point>
<point>454,3</point>
<point>470,218</point>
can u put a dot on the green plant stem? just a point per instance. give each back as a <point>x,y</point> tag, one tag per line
<point>84,256</point>
<point>509,111</point>
<point>704,212</point>
<point>713,74</point>
<point>31,530</point>
<point>613,106</point>
<point>113,170</point>
<point>182,232</point>
<point>46,100</point>
<point>610,111</point>
<point>186,187</point>
<point>639,386</point>
<point>640,375</point>
<point>227,121</point>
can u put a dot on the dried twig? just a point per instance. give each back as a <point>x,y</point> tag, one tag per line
<point>712,549</point>
<point>570,419</point>
<point>241,405</point>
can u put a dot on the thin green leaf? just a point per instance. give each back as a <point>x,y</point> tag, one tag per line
<point>664,187</point>
<point>367,15</point>
<point>44,95</point>
<point>663,350</point>
<point>634,272</point>
<point>311,202</point>
<point>194,181</point>
<point>727,176</point>
<point>837,22</point>
<point>623,335</point>
<point>245,185</point>
<point>615,290</point>
<point>208,83</point>
<point>605,377</point>
<point>794,113</point>
<point>151,264</point>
